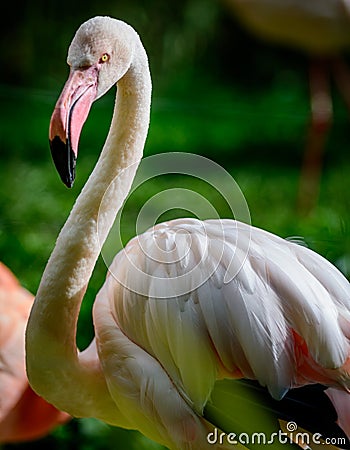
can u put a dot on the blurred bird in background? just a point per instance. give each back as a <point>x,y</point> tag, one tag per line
<point>320,29</point>
<point>23,414</point>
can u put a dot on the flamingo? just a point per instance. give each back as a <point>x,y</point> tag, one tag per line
<point>185,304</point>
<point>319,29</point>
<point>23,414</point>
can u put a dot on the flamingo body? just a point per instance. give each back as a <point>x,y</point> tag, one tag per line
<point>23,414</point>
<point>184,304</point>
<point>201,286</point>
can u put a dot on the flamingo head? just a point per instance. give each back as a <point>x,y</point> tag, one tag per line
<point>99,56</point>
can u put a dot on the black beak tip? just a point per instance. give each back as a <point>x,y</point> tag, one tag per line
<point>64,159</point>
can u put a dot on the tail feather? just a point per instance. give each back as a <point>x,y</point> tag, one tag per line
<point>243,406</point>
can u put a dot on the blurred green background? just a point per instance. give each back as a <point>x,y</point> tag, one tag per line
<point>217,91</point>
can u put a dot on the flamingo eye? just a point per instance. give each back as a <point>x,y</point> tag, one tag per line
<point>104,58</point>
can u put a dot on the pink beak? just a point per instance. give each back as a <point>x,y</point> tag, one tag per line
<point>67,120</point>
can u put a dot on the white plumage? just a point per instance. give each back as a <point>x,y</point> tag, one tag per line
<point>239,324</point>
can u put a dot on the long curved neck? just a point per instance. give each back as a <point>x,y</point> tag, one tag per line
<point>86,229</point>
<point>51,331</point>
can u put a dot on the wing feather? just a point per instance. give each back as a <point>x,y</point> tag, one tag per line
<point>214,297</point>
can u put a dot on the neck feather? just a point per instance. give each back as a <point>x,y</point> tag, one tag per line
<point>55,312</point>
